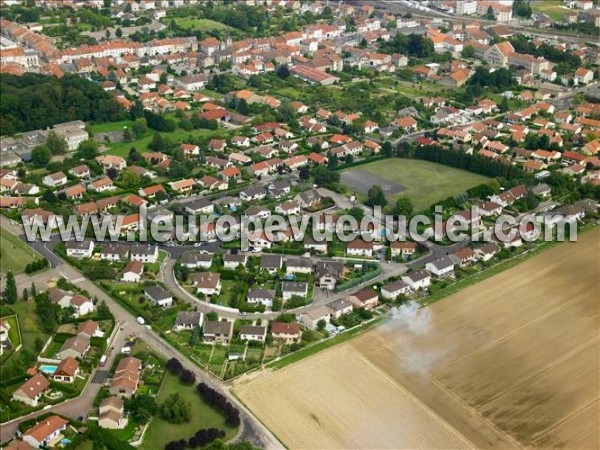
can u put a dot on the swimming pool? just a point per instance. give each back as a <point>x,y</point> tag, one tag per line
<point>48,369</point>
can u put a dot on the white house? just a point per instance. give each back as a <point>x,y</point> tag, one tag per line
<point>392,290</point>
<point>46,433</point>
<point>159,296</point>
<point>441,267</point>
<point>144,253</point>
<point>253,333</point>
<point>260,296</point>
<point>359,247</point>
<point>187,320</point>
<point>79,249</point>
<point>133,272</point>
<point>55,179</point>
<point>419,279</point>
<point>294,289</point>
<point>207,283</point>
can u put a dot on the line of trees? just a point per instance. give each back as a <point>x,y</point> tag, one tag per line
<point>220,402</point>
<point>460,160</point>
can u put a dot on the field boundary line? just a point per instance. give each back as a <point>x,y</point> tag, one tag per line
<point>473,411</point>
<point>420,403</point>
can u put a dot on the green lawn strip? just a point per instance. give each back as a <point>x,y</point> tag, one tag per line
<point>322,345</point>
<point>14,253</point>
<point>161,432</point>
<point>425,182</point>
<point>14,335</point>
<point>30,332</point>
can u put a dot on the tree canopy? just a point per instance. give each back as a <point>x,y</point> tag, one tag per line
<point>35,101</point>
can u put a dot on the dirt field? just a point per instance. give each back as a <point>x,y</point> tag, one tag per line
<point>510,362</point>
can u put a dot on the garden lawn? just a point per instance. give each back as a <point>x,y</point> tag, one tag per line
<point>200,24</point>
<point>30,331</point>
<point>14,253</point>
<point>425,182</point>
<point>553,8</point>
<point>161,432</point>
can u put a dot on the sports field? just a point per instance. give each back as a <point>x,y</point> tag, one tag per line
<point>510,362</point>
<point>14,254</point>
<point>553,8</point>
<point>423,182</point>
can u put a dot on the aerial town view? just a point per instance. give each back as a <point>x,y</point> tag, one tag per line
<point>270,224</point>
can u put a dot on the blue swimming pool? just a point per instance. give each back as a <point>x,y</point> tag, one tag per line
<point>46,368</point>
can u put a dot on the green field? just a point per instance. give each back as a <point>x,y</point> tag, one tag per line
<point>425,182</point>
<point>553,8</point>
<point>199,24</point>
<point>14,253</point>
<point>161,432</point>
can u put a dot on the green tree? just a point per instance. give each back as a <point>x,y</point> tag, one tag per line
<point>25,295</point>
<point>403,207</point>
<point>88,149</point>
<point>490,15</point>
<point>175,409</point>
<point>325,177</point>
<point>33,290</point>
<point>375,196</point>
<point>139,127</point>
<point>468,51</point>
<point>10,291</point>
<point>119,32</point>
<point>41,155</point>
<point>57,144</point>
<point>321,325</point>
<point>127,137</point>
<point>282,71</point>
<point>141,407</point>
<point>130,179</point>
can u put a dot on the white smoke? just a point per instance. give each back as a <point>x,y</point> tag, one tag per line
<point>411,317</point>
<point>411,322</point>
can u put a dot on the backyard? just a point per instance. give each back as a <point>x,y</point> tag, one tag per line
<point>161,432</point>
<point>200,24</point>
<point>423,182</point>
<point>14,254</point>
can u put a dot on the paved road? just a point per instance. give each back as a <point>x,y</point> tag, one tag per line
<point>252,430</point>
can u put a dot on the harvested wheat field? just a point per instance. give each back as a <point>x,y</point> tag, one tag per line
<point>510,362</point>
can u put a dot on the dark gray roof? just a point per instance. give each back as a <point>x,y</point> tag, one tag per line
<point>157,293</point>
<point>333,268</point>
<point>141,249</point>
<point>289,286</point>
<point>443,262</point>
<point>115,248</point>
<point>250,329</point>
<point>270,262</point>
<point>298,262</point>
<point>76,245</point>
<point>188,318</point>
<point>339,305</point>
<point>394,286</point>
<point>223,328</point>
<point>195,257</point>
<point>261,293</point>
<point>198,204</point>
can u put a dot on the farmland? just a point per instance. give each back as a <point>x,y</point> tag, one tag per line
<point>512,361</point>
<point>421,181</point>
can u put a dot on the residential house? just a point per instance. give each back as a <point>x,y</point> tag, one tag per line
<point>55,179</point>
<point>259,296</point>
<point>217,332</point>
<point>308,199</point>
<point>126,378</point>
<point>231,261</point>
<point>111,413</point>
<point>441,267</point>
<point>253,333</point>
<point>403,249</point>
<point>89,329</point>
<point>75,347</point>
<point>158,296</point>
<point>66,371</point>
<point>487,251</point>
<point>340,308</point>
<point>328,273</point>
<point>298,265</point>
<point>393,290</point>
<point>187,320</point>
<point>365,298</point>
<point>207,283</point>
<point>358,247</point>
<point>32,390</point>
<point>293,289</point>
<point>200,206</point>
<point>419,279</point>
<point>144,253</point>
<point>47,433</point>
<point>114,251</point>
<point>313,316</point>
<point>196,260</point>
<point>271,263</point>
<point>79,249</point>
<point>289,333</point>
<point>133,272</point>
